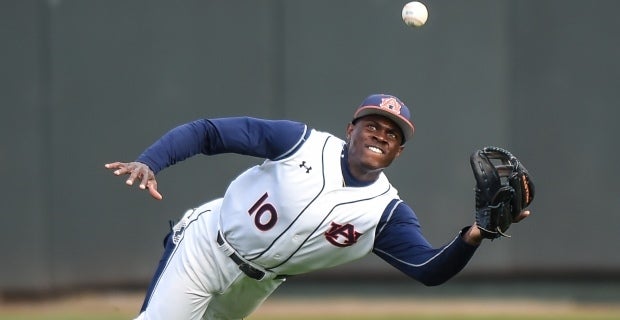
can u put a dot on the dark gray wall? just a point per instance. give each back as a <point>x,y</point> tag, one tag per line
<point>88,82</point>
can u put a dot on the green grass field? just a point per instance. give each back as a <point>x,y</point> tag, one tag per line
<point>123,308</point>
<point>339,317</point>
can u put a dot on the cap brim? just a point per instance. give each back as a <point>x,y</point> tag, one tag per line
<point>405,125</point>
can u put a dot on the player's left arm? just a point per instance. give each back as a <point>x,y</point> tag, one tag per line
<point>400,242</point>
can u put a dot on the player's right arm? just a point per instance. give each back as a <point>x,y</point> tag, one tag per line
<point>271,139</point>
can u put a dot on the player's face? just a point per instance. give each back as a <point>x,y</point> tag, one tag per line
<point>374,142</point>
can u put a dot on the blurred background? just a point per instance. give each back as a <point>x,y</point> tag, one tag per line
<point>86,82</point>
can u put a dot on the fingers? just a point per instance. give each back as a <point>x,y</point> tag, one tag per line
<point>524,214</point>
<point>113,165</point>
<point>137,171</point>
<point>121,167</point>
<point>146,177</point>
<point>152,186</point>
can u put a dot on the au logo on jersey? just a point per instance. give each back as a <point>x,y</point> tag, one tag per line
<point>342,235</point>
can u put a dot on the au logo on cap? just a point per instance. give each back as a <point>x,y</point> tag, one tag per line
<point>391,103</point>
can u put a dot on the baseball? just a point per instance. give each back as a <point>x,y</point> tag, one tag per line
<point>415,14</point>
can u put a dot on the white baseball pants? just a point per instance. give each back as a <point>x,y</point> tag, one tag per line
<point>196,280</point>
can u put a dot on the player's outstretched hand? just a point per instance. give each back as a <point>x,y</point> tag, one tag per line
<point>137,170</point>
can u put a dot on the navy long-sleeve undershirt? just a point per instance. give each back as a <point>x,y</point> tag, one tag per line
<point>400,242</point>
<point>399,239</point>
<point>243,135</point>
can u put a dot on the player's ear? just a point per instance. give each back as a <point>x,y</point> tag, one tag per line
<point>349,131</point>
<point>400,150</point>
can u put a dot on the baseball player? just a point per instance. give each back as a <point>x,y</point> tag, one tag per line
<point>316,201</point>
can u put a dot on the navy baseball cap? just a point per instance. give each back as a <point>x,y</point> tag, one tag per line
<point>390,107</point>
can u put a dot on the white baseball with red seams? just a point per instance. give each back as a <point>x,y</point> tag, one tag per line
<point>415,14</point>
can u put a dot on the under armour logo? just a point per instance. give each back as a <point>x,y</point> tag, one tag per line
<point>303,165</point>
<point>342,235</point>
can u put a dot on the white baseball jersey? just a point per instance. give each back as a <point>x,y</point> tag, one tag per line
<point>296,215</point>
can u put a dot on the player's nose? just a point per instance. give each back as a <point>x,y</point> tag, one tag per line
<point>380,135</point>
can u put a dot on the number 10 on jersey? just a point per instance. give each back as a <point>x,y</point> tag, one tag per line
<point>262,208</point>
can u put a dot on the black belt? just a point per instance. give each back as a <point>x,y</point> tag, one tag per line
<point>243,266</point>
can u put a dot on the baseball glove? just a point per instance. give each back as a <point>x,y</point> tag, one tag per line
<point>504,188</point>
